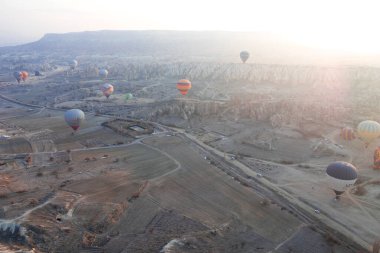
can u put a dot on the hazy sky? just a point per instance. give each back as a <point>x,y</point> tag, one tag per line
<point>336,24</point>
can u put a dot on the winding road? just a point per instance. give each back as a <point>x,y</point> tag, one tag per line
<point>259,184</point>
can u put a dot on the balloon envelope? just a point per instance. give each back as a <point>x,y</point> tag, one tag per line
<point>128,96</point>
<point>24,75</point>
<point>183,86</point>
<point>17,75</point>
<point>107,89</point>
<point>347,133</point>
<point>103,73</point>
<point>368,130</point>
<point>73,64</point>
<point>244,55</point>
<point>74,118</point>
<point>341,175</point>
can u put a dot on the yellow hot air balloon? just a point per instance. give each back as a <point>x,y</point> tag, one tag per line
<point>368,130</point>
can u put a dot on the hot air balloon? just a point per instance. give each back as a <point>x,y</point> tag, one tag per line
<point>376,159</point>
<point>347,133</point>
<point>24,75</point>
<point>18,76</point>
<point>73,64</point>
<point>107,89</point>
<point>128,96</point>
<point>341,175</point>
<point>103,73</point>
<point>74,118</point>
<point>244,55</point>
<point>368,130</point>
<point>183,86</point>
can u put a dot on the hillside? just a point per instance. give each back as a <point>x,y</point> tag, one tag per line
<point>184,46</point>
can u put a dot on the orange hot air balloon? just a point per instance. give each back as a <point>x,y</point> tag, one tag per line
<point>347,134</point>
<point>107,89</point>
<point>376,159</point>
<point>24,75</point>
<point>183,86</point>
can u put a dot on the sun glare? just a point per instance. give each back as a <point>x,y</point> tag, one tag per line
<point>336,25</point>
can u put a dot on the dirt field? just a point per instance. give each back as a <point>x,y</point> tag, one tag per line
<point>150,190</point>
<point>97,190</point>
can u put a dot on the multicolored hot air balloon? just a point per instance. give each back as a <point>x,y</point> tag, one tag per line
<point>107,89</point>
<point>244,55</point>
<point>24,75</point>
<point>73,64</point>
<point>341,175</point>
<point>183,86</point>
<point>347,134</point>
<point>368,130</point>
<point>103,73</point>
<point>74,118</point>
<point>18,76</point>
<point>128,96</point>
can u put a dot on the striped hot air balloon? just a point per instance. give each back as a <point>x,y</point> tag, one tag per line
<point>368,130</point>
<point>183,86</point>
<point>341,175</point>
<point>74,118</point>
<point>347,134</point>
<point>107,89</point>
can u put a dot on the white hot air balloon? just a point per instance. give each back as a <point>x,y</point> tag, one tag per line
<point>74,118</point>
<point>341,175</point>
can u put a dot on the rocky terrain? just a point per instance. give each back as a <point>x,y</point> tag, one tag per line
<point>237,165</point>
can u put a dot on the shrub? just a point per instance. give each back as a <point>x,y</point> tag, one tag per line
<point>360,190</point>
<point>264,202</point>
<point>54,173</point>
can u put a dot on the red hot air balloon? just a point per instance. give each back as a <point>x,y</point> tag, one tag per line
<point>183,86</point>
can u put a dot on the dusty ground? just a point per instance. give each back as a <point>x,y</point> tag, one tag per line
<point>99,190</point>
